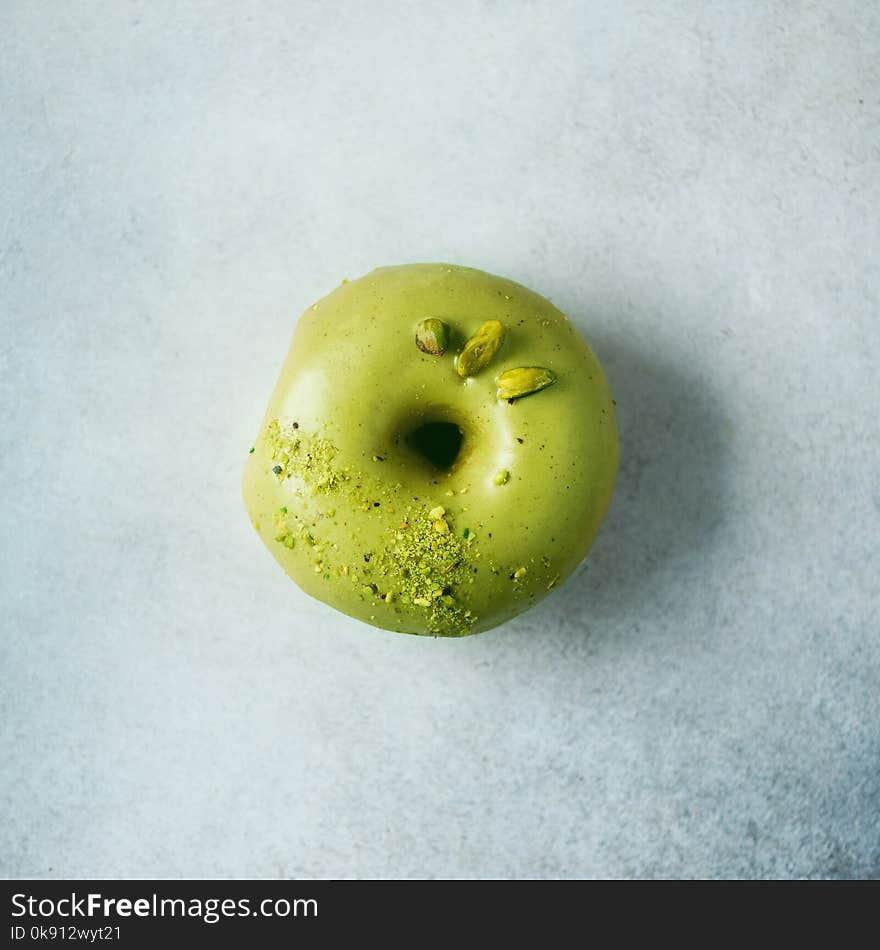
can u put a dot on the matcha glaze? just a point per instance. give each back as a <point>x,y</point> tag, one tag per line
<point>398,492</point>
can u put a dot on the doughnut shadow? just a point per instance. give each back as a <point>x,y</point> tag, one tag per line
<point>667,508</point>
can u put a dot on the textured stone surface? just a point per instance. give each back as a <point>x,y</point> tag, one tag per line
<point>696,185</point>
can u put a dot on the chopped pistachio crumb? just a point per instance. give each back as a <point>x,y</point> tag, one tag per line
<point>502,477</point>
<point>310,459</point>
<point>251,450</point>
<point>423,565</point>
<point>519,573</point>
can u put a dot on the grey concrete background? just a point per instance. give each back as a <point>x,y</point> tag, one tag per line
<point>696,184</point>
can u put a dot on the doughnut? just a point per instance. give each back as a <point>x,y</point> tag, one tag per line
<point>438,453</point>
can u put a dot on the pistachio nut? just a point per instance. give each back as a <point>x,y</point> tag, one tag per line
<point>432,337</point>
<point>480,348</point>
<point>523,381</point>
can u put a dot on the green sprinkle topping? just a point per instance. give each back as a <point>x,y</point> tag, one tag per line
<point>502,477</point>
<point>251,450</point>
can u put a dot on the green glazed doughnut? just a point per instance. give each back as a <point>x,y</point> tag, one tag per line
<point>438,453</point>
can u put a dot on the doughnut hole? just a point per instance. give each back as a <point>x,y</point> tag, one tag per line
<point>437,442</point>
<point>434,440</point>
